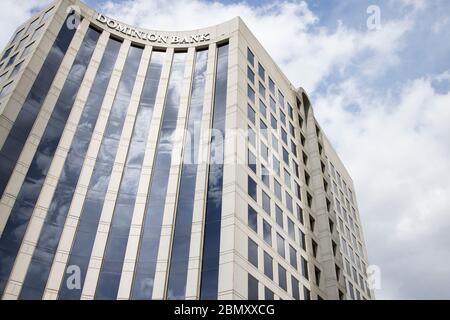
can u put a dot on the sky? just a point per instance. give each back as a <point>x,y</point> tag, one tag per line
<point>381,93</point>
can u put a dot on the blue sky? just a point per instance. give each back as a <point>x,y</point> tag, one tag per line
<point>382,96</point>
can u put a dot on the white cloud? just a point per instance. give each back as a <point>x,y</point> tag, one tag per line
<point>402,175</point>
<point>314,52</point>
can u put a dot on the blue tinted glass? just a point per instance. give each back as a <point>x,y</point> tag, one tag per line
<point>90,214</point>
<point>123,211</point>
<point>25,119</point>
<point>38,271</point>
<point>156,198</point>
<point>183,223</point>
<point>40,164</point>
<point>211,241</point>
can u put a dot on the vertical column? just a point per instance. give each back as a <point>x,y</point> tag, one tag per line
<point>195,248</point>
<point>144,182</point>
<point>35,175</point>
<point>45,225</point>
<point>173,182</point>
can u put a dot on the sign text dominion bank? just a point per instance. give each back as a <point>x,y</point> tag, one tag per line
<point>152,37</point>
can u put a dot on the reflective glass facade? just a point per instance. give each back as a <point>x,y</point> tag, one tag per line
<point>178,167</point>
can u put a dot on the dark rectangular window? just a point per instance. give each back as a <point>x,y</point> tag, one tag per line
<point>295,288</point>
<point>267,232</point>
<point>250,57</point>
<point>268,265</point>
<point>251,161</point>
<point>306,293</point>
<point>251,94</point>
<point>271,86</point>
<point>252,219</point>
<point>305,272</point>
<point>253,252</point>
<point>266,203</point>
<point>279,216</point>
<point>282,281</point>
<point>280,246</point>
<point>268,294</point>
<point>250,75</point>
<point>252,288</point>
<point>252,189</point>
<point>261,72</point>
<point>251,114</point>
<point>293,257</point>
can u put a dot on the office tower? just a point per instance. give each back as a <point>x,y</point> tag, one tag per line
<point>143,164</point>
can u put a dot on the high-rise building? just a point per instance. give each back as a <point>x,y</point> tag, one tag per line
<point>142,164</point>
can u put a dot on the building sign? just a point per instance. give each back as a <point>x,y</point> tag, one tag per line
<point>152,37</point>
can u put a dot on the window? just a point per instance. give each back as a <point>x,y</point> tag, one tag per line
<point>287,178</point>
<point>250,57</point>
<point>295,288</point>
<point>251,161</point>
<point>282,282</point>
<point>305,272</point>
<point>314,248</point>
<point>276,165</point>
<point>273,122</point>
<point>263,130</point>
<point>16,69</point>
<point>262,90</point>
<point>275,146</point>
<point>277,187</point>
<point>252,252</point>
<point>265,176</point>
<point>267,232</point>
<point>300,214</point>
<point>266,202</point>
<point>281,98</point>
<point>282,117</point>
<point>27,50</point>
<point>302,239</point>
<point>33,24</point>
<point>280,246</point>
<point>47,15</point>
<point>284,136</point>
<point>251,94</point>
<point>273,104</point>
<point>291,228</point>
<point>279,216</point>
<point>22,43</point>
<point>262,108</point>
<point>252,189</point>
<point>250,75</point>
<point>251,136</point>
<point>251,114</point>
<point>252,288</point>
<point>261,72</point>
<point>317,274</point>
<point>252,219</point>
<point>306,293</point>
<point>289,202</point>
<point>286,156</point>
<point>17,35</point>
<point>271,86</point>
<point>37,33</point>
<point>11,60</point>
<point>3,77</point>
<point>268,294</point>
<point>6,89</point>
<point>7,53</point>
<point>290,111</point>
<point>268,265</point>
<point>293,257</point>
<point>264,151</point>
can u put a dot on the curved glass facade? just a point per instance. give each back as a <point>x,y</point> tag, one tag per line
<point>148,164</point>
